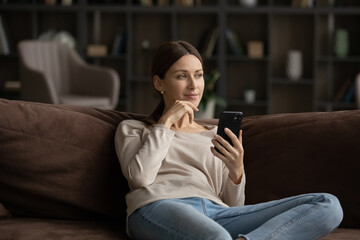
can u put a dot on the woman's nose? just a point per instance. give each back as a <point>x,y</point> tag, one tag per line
<point>192,83</point>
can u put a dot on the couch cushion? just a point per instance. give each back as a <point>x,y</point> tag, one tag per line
<point>290,154</point>
<point>343,234</point>
<point>36,229</point>
<point>59,161</point>
<point>3,211</point>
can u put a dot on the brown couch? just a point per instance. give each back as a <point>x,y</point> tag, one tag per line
<point>60,178</point>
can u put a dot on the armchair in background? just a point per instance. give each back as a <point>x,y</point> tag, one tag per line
<point>51,72</point>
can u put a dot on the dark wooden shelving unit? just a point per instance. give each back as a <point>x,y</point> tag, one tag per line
<point>280,26</point>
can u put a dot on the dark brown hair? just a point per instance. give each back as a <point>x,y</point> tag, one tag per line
<point>165,56</point>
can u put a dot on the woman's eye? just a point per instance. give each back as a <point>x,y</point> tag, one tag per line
<point>199,75</point>
<point>181,76</point>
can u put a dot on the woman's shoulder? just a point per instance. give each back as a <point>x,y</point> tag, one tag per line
<point>132,123</point>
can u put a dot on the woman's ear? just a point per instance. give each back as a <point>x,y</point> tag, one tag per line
<point>157,82</point>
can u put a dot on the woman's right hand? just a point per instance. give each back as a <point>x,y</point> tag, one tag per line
<point>177,111</point>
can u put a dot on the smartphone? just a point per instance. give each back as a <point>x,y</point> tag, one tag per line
<point>231,120</point>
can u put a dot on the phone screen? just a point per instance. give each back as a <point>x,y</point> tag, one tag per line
<point>231,120</point>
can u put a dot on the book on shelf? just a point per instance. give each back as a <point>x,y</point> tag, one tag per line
<point>210,49</point>
<point>119,44</point>
<point>208,42</point>
<point>342,91</point>
<point>4,43</point>
<point>350,93</point>
<point>233,42</point>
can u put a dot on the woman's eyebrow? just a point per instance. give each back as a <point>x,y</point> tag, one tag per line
<point>183,70</point>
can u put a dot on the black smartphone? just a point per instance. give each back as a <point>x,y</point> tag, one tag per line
<point>231,120</point>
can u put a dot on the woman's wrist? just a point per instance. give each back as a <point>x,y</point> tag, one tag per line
<point>236,176</point>
<point>164,122</point>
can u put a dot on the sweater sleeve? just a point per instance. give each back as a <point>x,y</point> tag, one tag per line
<point>233,194</point>
<point>141,151</point>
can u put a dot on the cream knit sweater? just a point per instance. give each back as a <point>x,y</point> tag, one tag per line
<point>160,163</point>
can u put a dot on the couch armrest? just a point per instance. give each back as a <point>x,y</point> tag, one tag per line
<point>36,87</point>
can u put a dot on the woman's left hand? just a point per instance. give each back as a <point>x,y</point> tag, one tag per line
<point>232,156</point>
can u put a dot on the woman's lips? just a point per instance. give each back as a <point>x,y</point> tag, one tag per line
<point>192,96</point>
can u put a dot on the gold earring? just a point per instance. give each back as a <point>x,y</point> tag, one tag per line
<point>162,92</point>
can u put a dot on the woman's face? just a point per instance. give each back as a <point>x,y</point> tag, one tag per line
<point>183,81</point>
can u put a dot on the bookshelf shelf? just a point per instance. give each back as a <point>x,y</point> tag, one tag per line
<point>279,26</point>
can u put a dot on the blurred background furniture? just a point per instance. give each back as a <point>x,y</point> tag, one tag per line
<point>280,25</point>
<point>51,72</point>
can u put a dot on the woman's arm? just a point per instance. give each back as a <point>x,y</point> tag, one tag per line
<point>232,194</point>
<point>140,154</point>
<point>233,189</point>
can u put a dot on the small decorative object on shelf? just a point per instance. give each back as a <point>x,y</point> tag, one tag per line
<point>50,2</point>
<point>248,3</point>
<point>146,2</point>
<point>255,49</point>
<point>249,96</point>
<point>294,65</point>
<point>96,50</point>
<point>66,2</point>
<point>163,2</point>
<point>341,43</point>
<point>187,3</point>
<point>60,36</point>
<point>145,49</point>
<point>303,3</point>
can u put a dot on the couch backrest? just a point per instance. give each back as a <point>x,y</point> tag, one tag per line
<point>290,154</point>
<point>59,162</point>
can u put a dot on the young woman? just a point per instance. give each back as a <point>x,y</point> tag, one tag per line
<point>181,188</point>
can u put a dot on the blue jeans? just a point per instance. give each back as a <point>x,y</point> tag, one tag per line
<point>308,216</point>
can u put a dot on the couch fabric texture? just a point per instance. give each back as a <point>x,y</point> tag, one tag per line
<point>60,177</point>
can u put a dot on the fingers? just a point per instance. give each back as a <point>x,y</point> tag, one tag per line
<point>227,150</point>
<point>221,150</point>
<point>218,154</point>
<point>178,110</point>
<point>234,139</point>
<point>189,109</point>
<point>240,137</point>
<point>222,145</point>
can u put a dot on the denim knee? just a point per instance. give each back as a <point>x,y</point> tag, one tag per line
<point>333,212</point>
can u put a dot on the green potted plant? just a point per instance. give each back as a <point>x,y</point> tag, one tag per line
<point>210,98</point>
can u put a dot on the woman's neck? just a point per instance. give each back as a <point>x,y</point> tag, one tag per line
<point>184,125</point>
